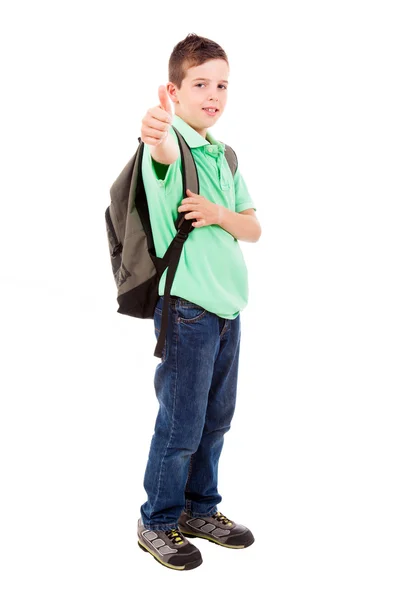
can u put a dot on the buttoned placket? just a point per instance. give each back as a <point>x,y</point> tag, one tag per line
<point>218,151</point>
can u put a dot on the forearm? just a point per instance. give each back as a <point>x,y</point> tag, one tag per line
<point>242,227</point>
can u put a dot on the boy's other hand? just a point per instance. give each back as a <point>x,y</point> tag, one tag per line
<point>205,211</point>
<point>157,120</point>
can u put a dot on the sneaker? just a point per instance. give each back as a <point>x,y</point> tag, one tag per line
<point>216,528</point>
<point>170,548</point>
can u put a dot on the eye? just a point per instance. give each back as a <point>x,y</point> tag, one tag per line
<point>224,86</point>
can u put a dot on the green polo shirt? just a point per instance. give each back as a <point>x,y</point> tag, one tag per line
<point>211,270</point>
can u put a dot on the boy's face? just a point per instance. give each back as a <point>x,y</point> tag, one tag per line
<point>204,85</point>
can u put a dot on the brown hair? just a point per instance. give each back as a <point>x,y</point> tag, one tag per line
<point>193,51</point>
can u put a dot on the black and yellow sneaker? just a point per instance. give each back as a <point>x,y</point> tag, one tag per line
<point>217,528</point>
<point>170,548</point>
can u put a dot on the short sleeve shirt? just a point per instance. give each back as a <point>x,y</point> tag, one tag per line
<point>211,270</point>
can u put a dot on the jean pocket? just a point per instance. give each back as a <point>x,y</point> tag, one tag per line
<point>189,312</point>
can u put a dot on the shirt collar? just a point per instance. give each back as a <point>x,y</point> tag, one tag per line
<point>194,139</point>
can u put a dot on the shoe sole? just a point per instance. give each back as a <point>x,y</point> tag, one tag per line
<point>192,535</point>
<point>187,567</point>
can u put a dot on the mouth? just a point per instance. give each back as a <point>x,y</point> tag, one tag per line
<point>210,112</point>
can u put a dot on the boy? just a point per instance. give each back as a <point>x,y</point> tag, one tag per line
<point>196,379</point>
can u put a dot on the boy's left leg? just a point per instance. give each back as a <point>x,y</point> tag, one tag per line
<point>201,518</point>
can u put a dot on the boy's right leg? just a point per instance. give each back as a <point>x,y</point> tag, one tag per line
<point>182,383</point>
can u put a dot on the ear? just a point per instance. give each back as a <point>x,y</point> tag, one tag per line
<point>171,89</point>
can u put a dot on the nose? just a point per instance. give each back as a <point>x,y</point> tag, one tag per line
<point>213,94</point>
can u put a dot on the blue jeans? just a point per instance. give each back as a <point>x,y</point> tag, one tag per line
<point>195,383</point>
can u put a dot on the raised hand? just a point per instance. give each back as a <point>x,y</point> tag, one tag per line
<point>157,120</point>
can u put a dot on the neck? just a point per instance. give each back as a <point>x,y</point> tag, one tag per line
<point>202,132</point>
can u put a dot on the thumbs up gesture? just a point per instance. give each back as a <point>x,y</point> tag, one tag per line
<point>157,120</point>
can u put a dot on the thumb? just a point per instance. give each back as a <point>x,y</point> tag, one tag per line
<point>165,102</point>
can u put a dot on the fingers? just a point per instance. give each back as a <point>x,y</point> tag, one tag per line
<point>153,137</point>
<point>157,112</point>
<point>190,193</point>
<point>155,126</point>
<point>192,215</point>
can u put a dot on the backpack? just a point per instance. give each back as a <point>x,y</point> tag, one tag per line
<point>136,268</point>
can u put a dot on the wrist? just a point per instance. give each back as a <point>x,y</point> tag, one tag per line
<point>220,214</point>
<point>165,152</point>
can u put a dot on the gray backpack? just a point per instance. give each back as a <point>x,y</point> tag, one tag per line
<point>136,268</point>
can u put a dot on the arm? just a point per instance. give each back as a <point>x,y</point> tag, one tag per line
<point>243,226</point>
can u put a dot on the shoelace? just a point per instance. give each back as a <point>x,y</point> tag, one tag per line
<point>174,535</point>
<point>221,518</point>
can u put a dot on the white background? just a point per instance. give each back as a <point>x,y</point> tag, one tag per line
<point>311,463</point>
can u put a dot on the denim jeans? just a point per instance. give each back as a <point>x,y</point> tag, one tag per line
<point>195,383</point>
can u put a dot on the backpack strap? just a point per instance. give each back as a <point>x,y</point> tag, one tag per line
<point>231,158</point>
<point>190,179</point>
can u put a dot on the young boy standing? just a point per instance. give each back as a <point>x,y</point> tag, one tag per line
<point>196,379</point>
